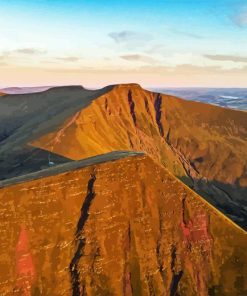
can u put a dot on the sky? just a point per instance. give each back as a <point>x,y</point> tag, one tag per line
<point>169,43</point>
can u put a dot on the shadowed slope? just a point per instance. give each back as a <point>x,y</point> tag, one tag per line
<point>29,116</point>
<point>33,115</point>
<point>126,227</point>
<point>27,160</point>
<point>203,145</point>
<point>70,165</point>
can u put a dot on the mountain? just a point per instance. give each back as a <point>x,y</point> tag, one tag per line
<point>115,224</point>
<point>203,145</point>
<point>121,191</point>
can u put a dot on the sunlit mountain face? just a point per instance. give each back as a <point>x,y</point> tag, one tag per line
<point>234,98</point>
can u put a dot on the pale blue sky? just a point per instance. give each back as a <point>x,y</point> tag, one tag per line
<point>155,43</point>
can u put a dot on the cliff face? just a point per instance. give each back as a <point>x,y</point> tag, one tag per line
<point>125,227</point>
<point>203,145</point>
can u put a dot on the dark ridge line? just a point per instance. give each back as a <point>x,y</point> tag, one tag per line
<point>106,104</point>
<point>158,251</point>
<point>86,205</point>
<point>149,278</point>
<point>168,136</point>
<point>147,105</point>
<point>183,210</point>
<point>192,164</point>
<point>73,165</point>
<point>130,141</point>
<point>159,261</point>
<point>126,262</point>
<point>80,240</point>
<point>184,222</point>
<point>132,106</point>
<point>157,107</point>
<point>176,277</point>
<point>175,281</point>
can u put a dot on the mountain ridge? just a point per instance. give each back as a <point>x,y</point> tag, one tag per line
<point>195,141</point>
<point>105,212</point>
<point>41,89</point>
<point>192,139</point>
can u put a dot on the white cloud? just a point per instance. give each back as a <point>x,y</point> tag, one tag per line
<point>29,51</point>
<point>137,58</point>
<point>130,39</point>
<point>232,58</point>
<point>68,59</point>
<point>125,36</point>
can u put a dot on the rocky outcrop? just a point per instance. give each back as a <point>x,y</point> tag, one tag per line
<point>132,107</point>
<point>158,107</point>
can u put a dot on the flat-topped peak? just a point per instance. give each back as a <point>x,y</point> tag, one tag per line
<point>128,85</point>
<point>66,87</point>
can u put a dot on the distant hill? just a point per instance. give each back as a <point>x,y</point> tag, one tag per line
<point>234,98</point>
<point>23,90</point>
